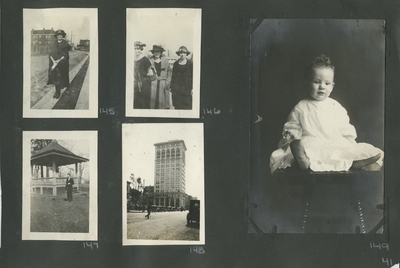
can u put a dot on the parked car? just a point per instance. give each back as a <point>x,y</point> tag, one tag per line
<point>194,212</point>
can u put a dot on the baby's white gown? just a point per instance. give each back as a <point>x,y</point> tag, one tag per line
<point>327,135</point>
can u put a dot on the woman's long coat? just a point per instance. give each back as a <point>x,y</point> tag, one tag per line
<point>59,76</point>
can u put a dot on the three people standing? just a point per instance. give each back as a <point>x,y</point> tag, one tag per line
<point>157,85</point>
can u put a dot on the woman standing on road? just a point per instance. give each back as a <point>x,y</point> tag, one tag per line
<point>59,63</point>
<point>160,96</point>
<point>142,76</point>
<point>181,81</point>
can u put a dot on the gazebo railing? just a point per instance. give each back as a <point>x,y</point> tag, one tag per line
<point>50,181</point>
<point>55,185</point>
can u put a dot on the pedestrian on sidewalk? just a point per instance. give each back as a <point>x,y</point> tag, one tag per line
<point>59,63</point>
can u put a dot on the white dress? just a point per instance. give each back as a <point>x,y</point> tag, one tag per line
<point>327,135</point>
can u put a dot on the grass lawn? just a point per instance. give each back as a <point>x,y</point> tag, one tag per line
<point>54,214</point>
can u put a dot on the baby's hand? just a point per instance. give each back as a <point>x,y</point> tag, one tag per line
<point>288,136</point>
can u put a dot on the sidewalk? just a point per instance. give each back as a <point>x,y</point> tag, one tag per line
<point>48,102</point>
<point>39,74</point>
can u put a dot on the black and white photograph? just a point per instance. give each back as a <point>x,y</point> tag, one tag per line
<point>318,144</point>
<point>163,58</point>
<point>59,185</point>
<point>163,184</point>
<point>60,63</point>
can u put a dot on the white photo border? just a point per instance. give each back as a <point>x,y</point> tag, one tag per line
<point>194,15</point>
<point>91,136</point>
<point>130,131</point>
<point>29,16</point>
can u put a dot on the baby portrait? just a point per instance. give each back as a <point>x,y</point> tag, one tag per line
<point>319,147</point>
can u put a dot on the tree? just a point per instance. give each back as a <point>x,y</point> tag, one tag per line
<point>38,144</point>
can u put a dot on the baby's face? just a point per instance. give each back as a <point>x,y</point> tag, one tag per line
<point>321,83</point>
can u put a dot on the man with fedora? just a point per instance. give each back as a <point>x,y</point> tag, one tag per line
<point>59,63</point>
<point>181,81</point>
<point>69,185</point>
<point>160,96</point>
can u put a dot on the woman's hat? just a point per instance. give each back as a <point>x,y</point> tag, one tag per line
<point>183,49</point>
<point>60,32</point>
<point>157,48</point>
<point>139,44</point>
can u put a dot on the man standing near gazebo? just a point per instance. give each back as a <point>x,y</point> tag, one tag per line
<point>68,185</point>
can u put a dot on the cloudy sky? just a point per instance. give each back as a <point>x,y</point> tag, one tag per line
<point>72,21</point>
<point>139,151</point>
<point>169,27</point>
<point>80,148</point>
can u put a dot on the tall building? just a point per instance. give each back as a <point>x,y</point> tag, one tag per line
<point>169,174</point>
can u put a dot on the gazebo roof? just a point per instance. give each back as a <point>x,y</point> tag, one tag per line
<point>55,152</point>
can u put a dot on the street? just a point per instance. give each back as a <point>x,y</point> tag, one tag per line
<point>161,226</point>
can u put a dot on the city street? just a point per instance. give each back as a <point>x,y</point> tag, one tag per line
<point>161,226</point>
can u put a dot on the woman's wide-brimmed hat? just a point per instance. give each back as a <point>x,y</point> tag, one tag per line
<point>157,48</point>
<point>139,44</point>
<point>60,32</point>
<point>183,49</point>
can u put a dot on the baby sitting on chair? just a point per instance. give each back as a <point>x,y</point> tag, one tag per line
<point>318,134</point>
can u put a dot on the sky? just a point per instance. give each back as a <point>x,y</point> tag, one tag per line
<point>68,20</point>
<point>80,148</point>
<point>170,28</point>
<point>139,152</point>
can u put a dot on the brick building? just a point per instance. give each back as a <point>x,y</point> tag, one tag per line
<point>40,41</point>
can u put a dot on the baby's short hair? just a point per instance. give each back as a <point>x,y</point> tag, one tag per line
<point>321,61</point>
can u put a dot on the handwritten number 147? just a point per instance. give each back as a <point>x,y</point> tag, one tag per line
<point>90,245</point>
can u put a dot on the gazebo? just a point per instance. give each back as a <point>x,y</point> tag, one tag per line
<point>53,155</point>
